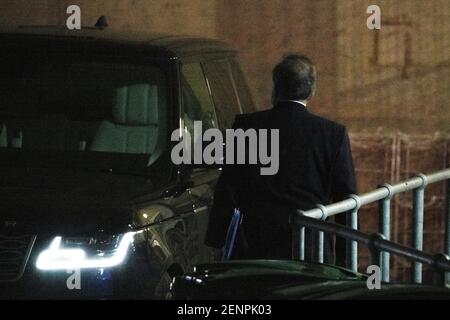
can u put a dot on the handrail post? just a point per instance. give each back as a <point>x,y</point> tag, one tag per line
<point>320,236</point>
<point>301,246</point>
<point>352,246</point>
<point>385,229</point>
<point>300,237</point>
<point>418,212</point>
<point>375,253</point>
<point>447,229</point>
<point>319,246</point>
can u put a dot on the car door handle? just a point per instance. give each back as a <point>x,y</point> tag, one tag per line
<point>200,209</point>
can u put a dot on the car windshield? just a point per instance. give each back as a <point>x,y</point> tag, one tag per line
<point>58,110</point>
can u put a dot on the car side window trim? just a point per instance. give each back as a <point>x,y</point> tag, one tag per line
<point>223,90</point>
<point>205,75</point>
<point>203,83</point>
<point>233,83</point>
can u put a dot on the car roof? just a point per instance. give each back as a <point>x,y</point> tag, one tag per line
<point>162,45</point>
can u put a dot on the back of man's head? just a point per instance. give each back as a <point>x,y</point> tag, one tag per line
<point>294,78</point>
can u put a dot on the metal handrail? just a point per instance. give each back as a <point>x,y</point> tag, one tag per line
<point>383,195</point>
<point>377,243</point>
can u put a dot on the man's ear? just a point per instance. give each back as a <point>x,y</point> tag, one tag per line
<point>314,85</point>
<point>313,91</point>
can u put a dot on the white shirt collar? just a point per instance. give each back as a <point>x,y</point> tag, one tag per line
<point>303,103</point>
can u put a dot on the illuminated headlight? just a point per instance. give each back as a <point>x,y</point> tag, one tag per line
<point>85,253</point>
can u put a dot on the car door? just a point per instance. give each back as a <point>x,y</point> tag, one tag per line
<point>209,94</point>
<point>197,105</point>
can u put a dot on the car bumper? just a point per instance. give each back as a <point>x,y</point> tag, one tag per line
<point>136,278</point>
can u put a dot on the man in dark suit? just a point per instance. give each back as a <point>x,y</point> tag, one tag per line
<point>315,167</point>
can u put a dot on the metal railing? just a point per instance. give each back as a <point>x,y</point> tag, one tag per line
<point>381,246</point>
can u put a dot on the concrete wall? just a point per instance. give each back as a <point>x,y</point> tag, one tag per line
<point>399,77</point>
<point>406,86</point>
<point>174,16</point>
<point>390,87</point>
<point>266,30</point>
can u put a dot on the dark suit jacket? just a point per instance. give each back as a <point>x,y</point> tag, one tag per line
<point>315,167</point>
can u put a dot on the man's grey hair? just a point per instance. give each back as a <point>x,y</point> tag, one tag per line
<point>294,78</point>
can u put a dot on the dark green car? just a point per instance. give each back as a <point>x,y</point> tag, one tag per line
<point>86,177</point>
<point>289,280</point>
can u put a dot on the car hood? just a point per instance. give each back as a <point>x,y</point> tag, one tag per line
<point>289,280</point>
<point>47,200</point>
<point>255,279</point>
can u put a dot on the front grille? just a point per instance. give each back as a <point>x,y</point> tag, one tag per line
<point>14,254</point>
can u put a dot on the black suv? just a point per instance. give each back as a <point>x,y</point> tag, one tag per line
<point>91,205</point>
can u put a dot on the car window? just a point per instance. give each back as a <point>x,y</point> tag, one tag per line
<point>197,102</point>
<point>52,106</point>
<point>223,91</point>
<point>242,88</point>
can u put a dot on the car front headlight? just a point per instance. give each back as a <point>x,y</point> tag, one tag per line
<point>85,253</point>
